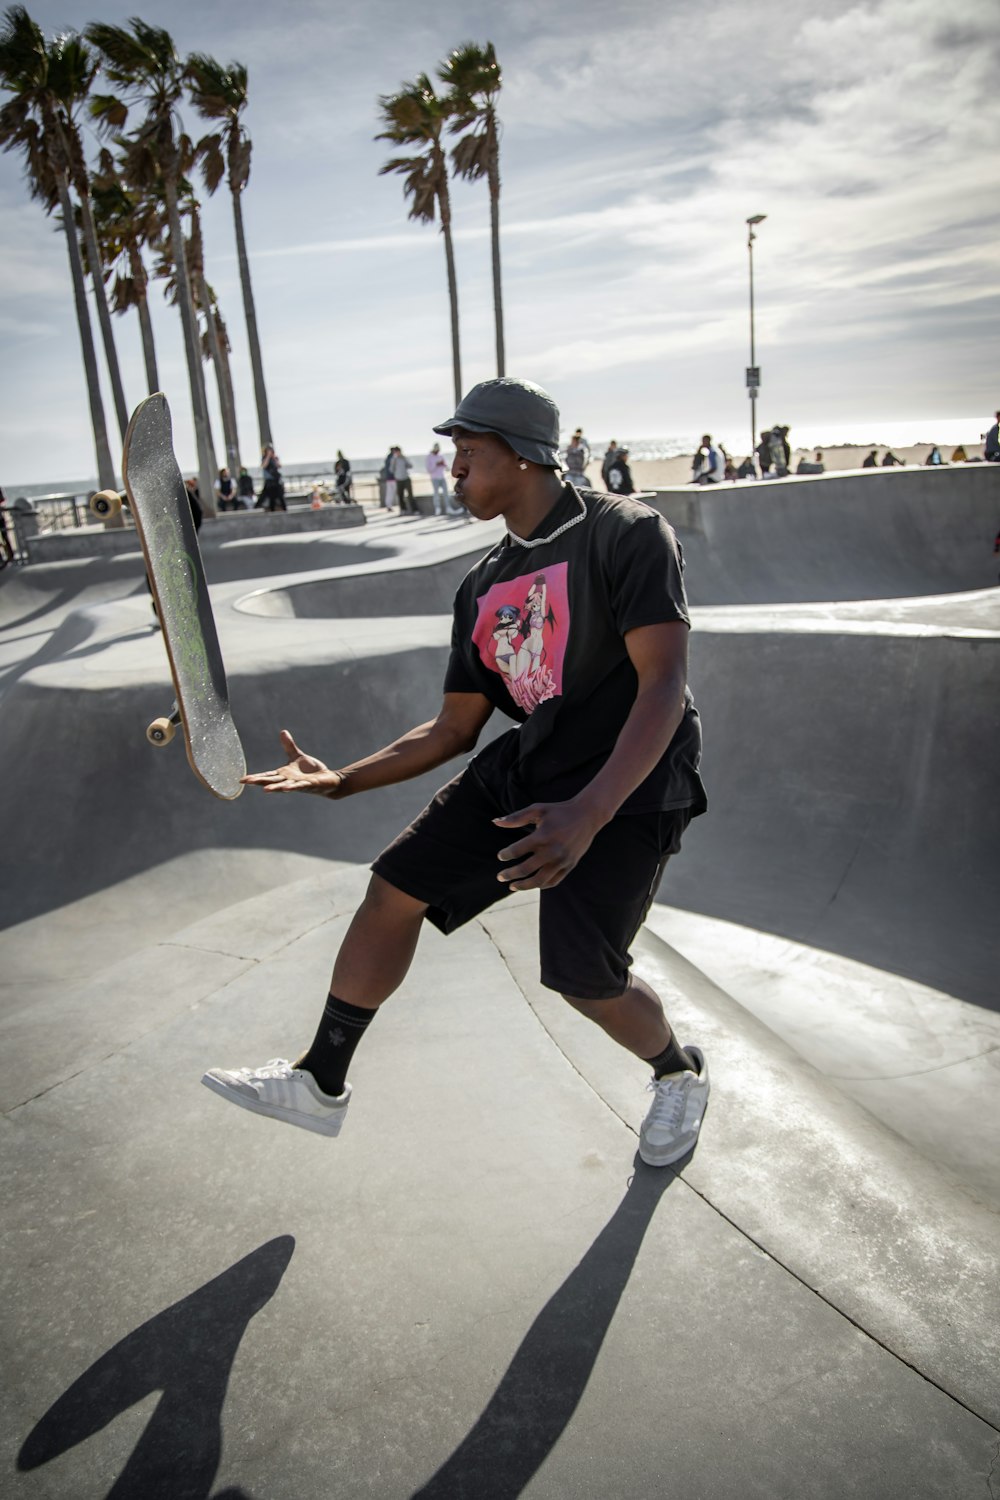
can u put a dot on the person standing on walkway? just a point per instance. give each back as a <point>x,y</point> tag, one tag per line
<point>437,468</point>
<point>575,626</point>
<point>401,467</point>
<point>575,459</point>
<point>342,479</point>
<point>620,480</point>
<point>709,465</point>
<point>763,452</point>
<point>273,492</point>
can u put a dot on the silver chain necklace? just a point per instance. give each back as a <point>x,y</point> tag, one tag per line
<point>541,540</point>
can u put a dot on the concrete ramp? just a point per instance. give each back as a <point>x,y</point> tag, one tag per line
<point>873,534</point>
<point>476,1290</point>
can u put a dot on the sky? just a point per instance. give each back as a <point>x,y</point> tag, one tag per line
<point>637,140</point>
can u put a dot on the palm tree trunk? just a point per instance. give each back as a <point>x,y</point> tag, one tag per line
<point>250,312</point>
<point>214,347</point>
<point>105,467</point>
<point>229,406</point>
<point>103,314</point>
<point>493,177</point>
<point>145,322</point>
<point>196,374</point>
<point>449,254</point>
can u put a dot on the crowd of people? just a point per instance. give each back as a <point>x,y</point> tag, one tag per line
<point>711,464</point>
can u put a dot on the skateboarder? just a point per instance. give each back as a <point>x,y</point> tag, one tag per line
<point>575,626</point>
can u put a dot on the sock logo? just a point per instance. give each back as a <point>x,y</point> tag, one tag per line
<point>337,1037</point>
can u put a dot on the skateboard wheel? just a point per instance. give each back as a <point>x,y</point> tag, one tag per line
<point>105,503</point>
<point>160,732</point>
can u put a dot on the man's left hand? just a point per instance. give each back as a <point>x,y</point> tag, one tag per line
<point>560,835</point>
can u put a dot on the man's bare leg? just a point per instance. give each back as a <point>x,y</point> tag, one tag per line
<point>372,963</point>
<point>636,1021</point>
<point>377,951</point>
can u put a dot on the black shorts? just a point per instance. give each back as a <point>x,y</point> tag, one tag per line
<point>448,859</point>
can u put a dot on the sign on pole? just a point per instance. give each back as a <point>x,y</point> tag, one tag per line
<point>753,377</point>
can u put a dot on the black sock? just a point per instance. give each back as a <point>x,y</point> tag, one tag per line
<point>673,1059</point>
<point>340,1031</point>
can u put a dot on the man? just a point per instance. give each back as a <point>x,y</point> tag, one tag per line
<point>574,625</point>
<point>620,475</point>
<point>401,467</point>
<point>763,452</point>
<point>991,450</point>
<point>575,460</point>
<point>871,462</point>
<point>708,463</point>
<point>225,492</point>
<point>437,468</point>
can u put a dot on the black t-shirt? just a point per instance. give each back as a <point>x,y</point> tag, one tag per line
<point>540,632</point>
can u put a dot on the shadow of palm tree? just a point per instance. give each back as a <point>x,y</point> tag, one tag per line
<point>548,1375</point>
<point>186,1352</point>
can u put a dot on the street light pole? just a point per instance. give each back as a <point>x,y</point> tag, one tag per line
<point>752,372</point>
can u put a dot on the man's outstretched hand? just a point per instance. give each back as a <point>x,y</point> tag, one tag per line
<point>300,773</point>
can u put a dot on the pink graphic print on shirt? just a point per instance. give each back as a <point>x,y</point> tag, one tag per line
<point>521,631</point>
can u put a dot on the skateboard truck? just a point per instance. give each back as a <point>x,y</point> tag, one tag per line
<point>162,731</point>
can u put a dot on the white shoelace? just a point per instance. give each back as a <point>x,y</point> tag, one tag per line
<point>278,1067</point>
<point>670,1100</point>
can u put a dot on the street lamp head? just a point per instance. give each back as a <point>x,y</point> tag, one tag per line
<point>757,219</point>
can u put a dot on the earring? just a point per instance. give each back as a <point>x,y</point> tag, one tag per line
<point>522,464</point>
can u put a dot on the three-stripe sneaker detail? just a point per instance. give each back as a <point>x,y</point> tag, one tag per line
<point>282,1093</point>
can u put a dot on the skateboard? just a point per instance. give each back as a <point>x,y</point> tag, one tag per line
<point>165,527</point>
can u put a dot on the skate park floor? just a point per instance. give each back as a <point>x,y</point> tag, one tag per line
<point>478,1289</point>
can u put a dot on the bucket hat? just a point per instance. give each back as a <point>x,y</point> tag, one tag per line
<point>518,411</point>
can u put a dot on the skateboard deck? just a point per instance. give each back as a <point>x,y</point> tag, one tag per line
<point>165,526</point>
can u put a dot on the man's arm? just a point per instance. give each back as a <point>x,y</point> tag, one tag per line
<point>564,831</point>
<point>453,732</point>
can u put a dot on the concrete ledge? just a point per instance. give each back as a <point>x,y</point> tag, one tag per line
<point>233,526</point>
<point>873,534</point>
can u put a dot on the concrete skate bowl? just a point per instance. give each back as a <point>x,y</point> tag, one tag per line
<point>397,588</point>
<point>850,749</point>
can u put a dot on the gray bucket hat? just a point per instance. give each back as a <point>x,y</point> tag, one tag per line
<point>518,411</point>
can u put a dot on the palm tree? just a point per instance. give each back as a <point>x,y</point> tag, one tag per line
<point>35,74</point>
<point>220,93</point>
<point>144,63</point>
<point>416,116</point>
<point>474,78</point>
<point>126,221</point>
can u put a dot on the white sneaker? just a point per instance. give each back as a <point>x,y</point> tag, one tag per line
<point>283,1092</point>
<point>670,1129</point>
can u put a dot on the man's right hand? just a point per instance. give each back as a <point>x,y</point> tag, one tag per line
<point>300,773</point>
